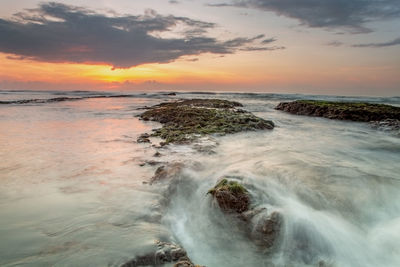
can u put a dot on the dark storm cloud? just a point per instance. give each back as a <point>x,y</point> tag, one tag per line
<point>55,32</point>
<point>349,14</point>
<point>377,45</point>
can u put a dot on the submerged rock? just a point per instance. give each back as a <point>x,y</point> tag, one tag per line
<point>167,171</point>
<point>387,125</point>
<point>157,154</point>
<point>186,120</point>
<point>143,138</point>
<point>165,253</point>
<point>267,229</point>
<point>231,196</point>
<point>353,111</point>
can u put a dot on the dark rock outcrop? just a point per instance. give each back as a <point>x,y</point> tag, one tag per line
<point>165,253</point>
<point>186,120</point>
<point>363,112</point>
<point>262,228</point>
<point>231,196</point>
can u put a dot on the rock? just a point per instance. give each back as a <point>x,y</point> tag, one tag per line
<point>184,262</point>
<point>353,111</point>
<point>157,154</point>
<point>231,196</point>
<point>267,229</point>
<point>386,125</point>
<point>169,171</point>
<point>143,138</point>
<point>205,145</point>
<point>153,162</point>
<point>262,228</point>
<point>249,215</point>
<point>165,253</point>
<point>187,120</point>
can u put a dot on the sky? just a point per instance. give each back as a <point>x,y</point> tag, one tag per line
<point>337,47</point>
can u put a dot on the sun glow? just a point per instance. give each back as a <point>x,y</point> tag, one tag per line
<point>181,71</point>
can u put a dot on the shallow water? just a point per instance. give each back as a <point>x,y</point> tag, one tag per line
<point>72,191</point>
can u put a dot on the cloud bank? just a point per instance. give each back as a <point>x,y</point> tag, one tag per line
<point>56,32</point>
<point>383,44</point>
<point>348,14</point>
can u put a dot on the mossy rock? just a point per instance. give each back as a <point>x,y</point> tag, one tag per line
<point>183,121</point>
<point>354,111</point>
<point>231,196</point>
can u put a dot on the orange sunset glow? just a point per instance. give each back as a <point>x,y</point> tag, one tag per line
<point>200,133</point>
<point>235,56</point>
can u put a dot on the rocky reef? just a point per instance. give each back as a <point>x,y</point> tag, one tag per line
<point>57,99</point>
<point>165,253</point>
<point>186,120</point>
<point>261,226</point>
<point>193,121</point>
<point>354,111</point>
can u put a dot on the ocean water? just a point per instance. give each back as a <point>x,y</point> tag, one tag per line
<point>74,191</point>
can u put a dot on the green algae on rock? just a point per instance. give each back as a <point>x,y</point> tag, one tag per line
<point>186,120</point>
<point>262,228</point>
<point>231,196</point>
<point>354,111</point>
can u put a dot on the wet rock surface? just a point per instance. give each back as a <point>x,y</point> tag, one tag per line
<point>387,125</point>
<point>191,121</point>
<point>231,196</point>
<point>262,228</point>
<point>143,138</point>
<point>166,252</point>
<point>186,120</point>
<point>354,111</point>
<point>266,229</point>
<point>170,170</point>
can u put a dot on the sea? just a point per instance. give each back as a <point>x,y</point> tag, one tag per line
<point>75,191</point>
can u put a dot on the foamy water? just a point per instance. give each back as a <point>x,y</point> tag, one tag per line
<point>72,191</point>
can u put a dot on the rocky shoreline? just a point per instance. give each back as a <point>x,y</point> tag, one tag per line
<point>186,122</point>
<point>189,121</point>
<point>58,99</point>
<point>353,111</point>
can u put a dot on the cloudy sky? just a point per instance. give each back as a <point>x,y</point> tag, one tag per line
<point>345,47</point>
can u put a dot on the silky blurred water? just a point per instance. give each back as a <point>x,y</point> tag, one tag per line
<point>72,191</point>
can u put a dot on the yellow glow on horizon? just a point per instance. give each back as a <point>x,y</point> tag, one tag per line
<point>175,72</point>
<point>209,72</point>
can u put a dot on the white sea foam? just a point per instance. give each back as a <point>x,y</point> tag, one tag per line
<point>72,192</point>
